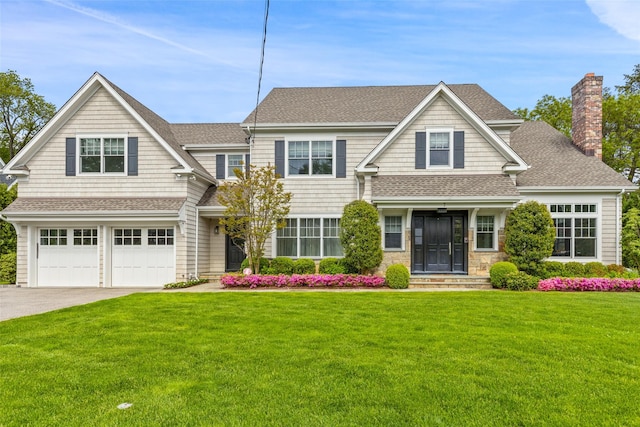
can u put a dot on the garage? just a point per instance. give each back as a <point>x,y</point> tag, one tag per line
<point>68,257</point>
<point>142,256</point>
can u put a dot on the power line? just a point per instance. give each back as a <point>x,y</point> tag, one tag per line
<point>264,42</point>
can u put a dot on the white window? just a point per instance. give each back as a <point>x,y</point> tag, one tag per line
<point>160,237</point>
<point>234,161</point>
<point>127,237</point>
<point>393,232</point>
<point>53,237</point>
<point>440,148</point>
<point>85,237</point>
<point>102,155</point>
<point>310,157</point>
<point>576,230</point>
<point>309,237</point>
<point>485,236</point>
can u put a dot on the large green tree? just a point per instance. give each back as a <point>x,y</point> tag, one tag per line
<point>620,123</point>
<point>255,204</point>
<point>23,112</point>
<point>8,239</point>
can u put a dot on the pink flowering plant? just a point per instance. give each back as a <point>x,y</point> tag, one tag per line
<point>574,284</point>
<point>253,281</point>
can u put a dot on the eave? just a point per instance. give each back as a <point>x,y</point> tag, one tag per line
<point>567,189</point>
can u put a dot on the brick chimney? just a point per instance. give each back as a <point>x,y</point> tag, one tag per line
<point>586,120</point>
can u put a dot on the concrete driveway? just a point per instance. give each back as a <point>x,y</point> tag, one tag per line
<point>18,302</point>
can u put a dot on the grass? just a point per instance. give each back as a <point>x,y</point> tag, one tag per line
<point>327,358</point>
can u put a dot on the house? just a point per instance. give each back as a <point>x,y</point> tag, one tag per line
<point>113,195</point>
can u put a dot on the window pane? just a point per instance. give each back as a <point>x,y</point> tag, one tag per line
<point>439,148</point>
<point>90,164</point>
<point>235,161</point>
<point>310,237</point>
<point>331,246</point>
<point>287,239</point>
<point>298,157</point>
<point>562,246</point>
<point>114,164</point>
<point>586,247</point>
<point>322,155</point>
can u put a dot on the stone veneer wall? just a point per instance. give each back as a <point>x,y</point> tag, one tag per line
<point>479,262</point>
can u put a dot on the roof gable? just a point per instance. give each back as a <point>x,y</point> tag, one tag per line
<point>157,127</point>
<point>517,164</point>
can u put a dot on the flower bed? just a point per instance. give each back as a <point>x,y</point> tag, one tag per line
<point>253,281</point>
<point>589,284</point>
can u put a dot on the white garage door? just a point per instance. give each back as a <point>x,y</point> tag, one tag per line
<point>142,256</point>
<point>68,257</point>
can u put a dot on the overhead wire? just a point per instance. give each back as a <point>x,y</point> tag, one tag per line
<point>264,43</point>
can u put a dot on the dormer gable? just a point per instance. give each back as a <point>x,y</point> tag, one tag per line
<point>453,139</point>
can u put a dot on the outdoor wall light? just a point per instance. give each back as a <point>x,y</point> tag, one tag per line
<point>216,229</point>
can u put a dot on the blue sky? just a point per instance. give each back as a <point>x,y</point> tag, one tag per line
<point>198,61</point>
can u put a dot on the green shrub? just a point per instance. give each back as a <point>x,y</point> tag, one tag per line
<point>264,265</point>
<point>529,235</point>
<point>281,265</point>
<point>595,269</point>
<point>304,266</point>
<point>521,281</point>
<point>499,271</point>
<point>574,269</point>
<point>615,270</point>
<point>331,266</point>
<point>549,269</point>
<point>397,276</point>
<point>360,237</point>
<point>8,268</point>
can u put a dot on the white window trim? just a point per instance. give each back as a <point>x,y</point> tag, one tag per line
<point>310,139</point>
<point>494,239</point>
<point>274,238</point>
<point>439,130</point>
<point>384,233</point>
<point>102,137</point>
<point>573,215</point>
<point>226,165</point>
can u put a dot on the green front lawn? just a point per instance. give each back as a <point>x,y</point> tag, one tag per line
<point>327,358</point>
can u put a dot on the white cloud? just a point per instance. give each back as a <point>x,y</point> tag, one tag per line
<point>621,15</point>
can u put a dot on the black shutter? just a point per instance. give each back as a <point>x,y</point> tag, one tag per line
<point>458,150</point>
<point>132,154</point>
<point>421,150</point>
<point>279,155</point>
<point>247,164</point>
<point>71,157</point>
<point>220,172</point>
<point>341,158</point>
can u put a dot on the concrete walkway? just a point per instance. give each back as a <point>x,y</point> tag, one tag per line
<point>19,302</point>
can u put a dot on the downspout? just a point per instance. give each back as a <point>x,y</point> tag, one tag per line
<point>197,239</point>
<point>618,225</point>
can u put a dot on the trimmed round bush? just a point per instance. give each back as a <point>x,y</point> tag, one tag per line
<point>595,269</point>
<point>499,271</point>
<point>574,269</point>
<point>331,266</point>
<point>264,265</point>
<point>304,266</point>
<point>521,281</point>
<point>397,276</point>
<point>548,269</point>
<point>281,265</point>
<point>360,237</point>
<point>529,235</point>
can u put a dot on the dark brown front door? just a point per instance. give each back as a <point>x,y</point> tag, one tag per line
<point>234,255</point>
<point>439,242</point>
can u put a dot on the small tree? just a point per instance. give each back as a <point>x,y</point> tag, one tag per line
<point>631,238</point>
<point>256,204</point>
<point>360,236</point>
<point>529,235</point>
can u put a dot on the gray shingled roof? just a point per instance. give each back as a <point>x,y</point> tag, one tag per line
<point>209,133</point>
<point>556,162</point>
<point>162,127</point>
<point>209,198</point>
<point>365,104</point>
<point>75,205</point>
<point>453,186</point>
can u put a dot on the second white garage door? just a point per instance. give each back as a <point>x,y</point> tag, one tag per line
<point>142,256</point>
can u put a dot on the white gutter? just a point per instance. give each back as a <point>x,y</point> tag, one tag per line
<point>197,230</point>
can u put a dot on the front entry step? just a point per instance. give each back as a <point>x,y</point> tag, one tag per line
<point>434,281</point>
